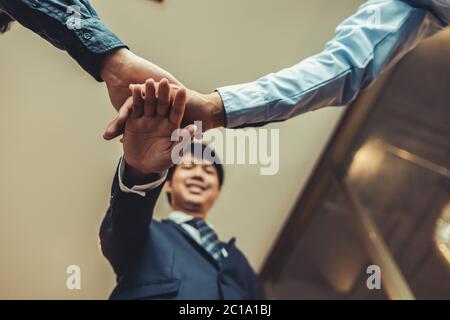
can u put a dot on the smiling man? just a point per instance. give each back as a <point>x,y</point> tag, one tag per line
<point>180,257</point>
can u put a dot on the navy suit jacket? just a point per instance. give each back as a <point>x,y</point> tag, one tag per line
<point>160,260</point>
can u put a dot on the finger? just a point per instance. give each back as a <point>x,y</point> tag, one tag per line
<point>138,102</point>
<point>192,129</point>
<point>150,101</point>
<point>178,108</point>
<point>115,128</point>
<point>141,88</point>
<point>163,98</point>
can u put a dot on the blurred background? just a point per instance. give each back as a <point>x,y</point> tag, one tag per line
<point>379,197</point>
<point>56,169</point>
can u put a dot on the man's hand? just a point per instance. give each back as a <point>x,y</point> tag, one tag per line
<point>147,141</point>
<point>122,68</point>
<point>207,108</point>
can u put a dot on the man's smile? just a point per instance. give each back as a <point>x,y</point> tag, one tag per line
<point>196,187</point>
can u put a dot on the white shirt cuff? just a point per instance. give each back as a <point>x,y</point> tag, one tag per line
<point>139,189</point>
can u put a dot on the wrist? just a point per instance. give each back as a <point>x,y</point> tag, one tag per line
<point>218,115</point>
<point>134,175</point>
<point>113,64</point>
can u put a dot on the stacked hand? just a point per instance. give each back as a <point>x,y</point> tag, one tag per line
<point>153,118</point>
<point>122,68</point>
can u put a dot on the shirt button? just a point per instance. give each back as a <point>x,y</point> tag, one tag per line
<point>35,4</point>
<point>87,35</point>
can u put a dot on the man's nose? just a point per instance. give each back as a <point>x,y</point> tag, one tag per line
<point>198,173</point>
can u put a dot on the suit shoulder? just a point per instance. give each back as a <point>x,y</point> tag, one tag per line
<point>160,226</point>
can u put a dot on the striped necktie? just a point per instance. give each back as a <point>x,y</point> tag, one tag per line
<point>209,238</point>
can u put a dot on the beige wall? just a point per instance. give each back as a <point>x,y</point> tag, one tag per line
<point>56,170</point>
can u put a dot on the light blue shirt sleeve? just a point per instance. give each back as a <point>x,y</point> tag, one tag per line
<point>377,36</point>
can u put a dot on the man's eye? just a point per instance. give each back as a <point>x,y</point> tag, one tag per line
<point>209,169</point>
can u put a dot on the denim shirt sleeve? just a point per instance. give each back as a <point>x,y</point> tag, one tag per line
<point>87,39</point>
<point>377,36</point>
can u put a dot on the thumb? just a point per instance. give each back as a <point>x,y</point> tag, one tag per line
<point>192,129</point>
<point>183,136</point>
<point>115,128</point>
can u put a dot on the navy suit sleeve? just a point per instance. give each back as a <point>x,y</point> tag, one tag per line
<point>253,285</point>
<point>87,39</point>
<point>126,224</point>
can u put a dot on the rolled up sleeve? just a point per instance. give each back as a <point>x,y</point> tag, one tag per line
<point>73,26</point>
<point>378,35</point>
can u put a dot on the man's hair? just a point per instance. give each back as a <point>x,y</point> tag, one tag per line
<point>5,21</point>
<point>207,152</point>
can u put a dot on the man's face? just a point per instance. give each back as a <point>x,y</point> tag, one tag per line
<point>194,185</point>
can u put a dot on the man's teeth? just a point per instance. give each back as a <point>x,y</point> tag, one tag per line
<point>196,188</point>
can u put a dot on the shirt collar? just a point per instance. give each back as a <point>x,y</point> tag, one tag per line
<point>180,217</point>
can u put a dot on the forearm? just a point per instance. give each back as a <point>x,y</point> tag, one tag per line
<point>128,217</point>
<point>126,226</point>
<point>361,49</point>
<point>88,43</point>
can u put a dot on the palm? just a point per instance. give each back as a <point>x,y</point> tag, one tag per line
<point>147,143</point>
<point>148,131</point>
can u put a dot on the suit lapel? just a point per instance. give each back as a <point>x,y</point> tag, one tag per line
<point>229,261</point>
